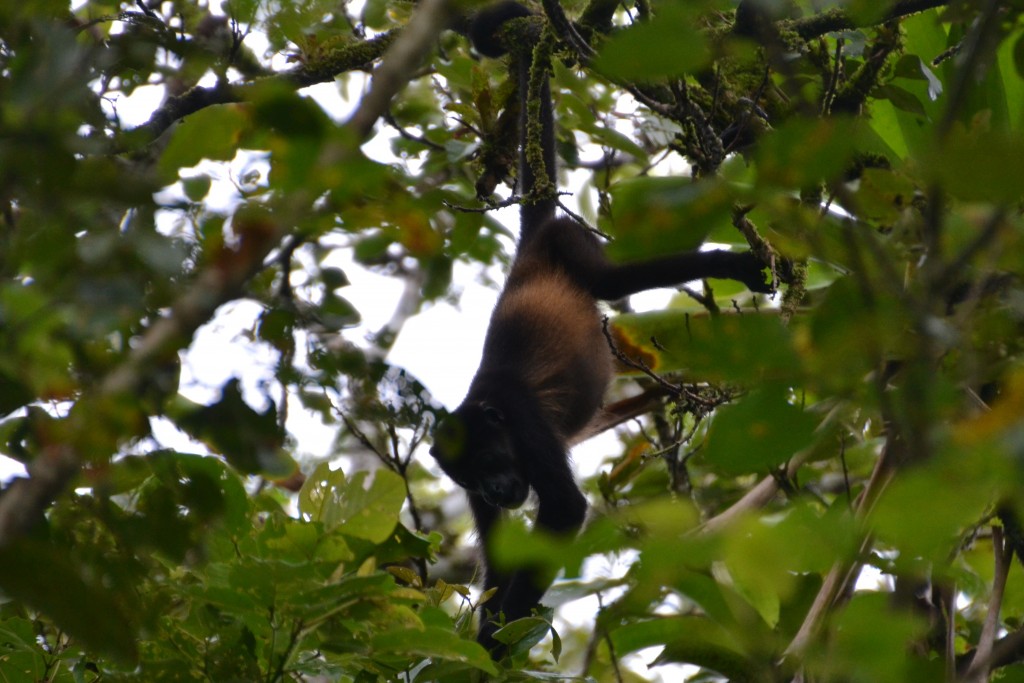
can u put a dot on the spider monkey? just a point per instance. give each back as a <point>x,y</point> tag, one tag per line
<point>545,363</point>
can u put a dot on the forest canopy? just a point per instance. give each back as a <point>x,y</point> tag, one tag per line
<point>821,484</point>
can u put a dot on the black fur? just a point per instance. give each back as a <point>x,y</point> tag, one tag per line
<point>545,361</point>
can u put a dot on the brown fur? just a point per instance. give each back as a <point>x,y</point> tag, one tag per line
<point>565,359</point>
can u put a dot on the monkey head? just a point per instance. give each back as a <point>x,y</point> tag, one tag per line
<point>473,445</point>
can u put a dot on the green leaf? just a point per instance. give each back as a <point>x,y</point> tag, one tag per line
<point>334,278</point>
<point>276,326</point>
<point>986,98</point>
<point>902,99</point>
<point>1011,66</point>
<point>763,598</point>
<point>370,514</point>
<point>204,486</point>
<point>801,152</point>
<point>646,633</point>
<point>514,544</point>
<point>978,165</point>
<point>765,558</point>
<point>883,195</point>
<point>710,347</point>
<point>609,137</point>
<point>44,577</point>
<point>436,642</point>
<point>196,187</point>
<point>871,642</point>
<point>973,477</point>
<point>667,46</point>
<point>716,599</point>
<point>885,123</point>
<point>252,442</point>
<point>280,108</point>
<point>758,433</point>
<point>523,634</point>
<point>210,133</point>
<point>652,216</point>
<point>701,642</point>
<point>1018,55</point>
<point>841,359</point>
<point>337,313</point>
<point>22,657</point>
<point>345,595</point>
<point>307,542</point>
<point>374,246</point>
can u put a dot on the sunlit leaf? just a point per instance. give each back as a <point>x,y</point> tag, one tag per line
<point>348,504</point>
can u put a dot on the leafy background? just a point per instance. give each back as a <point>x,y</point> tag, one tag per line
<point>819,486</point>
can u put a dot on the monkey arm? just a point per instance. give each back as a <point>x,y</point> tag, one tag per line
<point>561,244</point>
<point>561,509</point>
<point>613,281</point>
<point>485,516</point>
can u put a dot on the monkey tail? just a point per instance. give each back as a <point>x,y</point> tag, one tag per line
<point>485,32</point>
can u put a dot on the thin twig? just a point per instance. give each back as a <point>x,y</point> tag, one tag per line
<point>493,206</point>
<point>564,28</point>
<point>636,363</point>
<point>842,573</point>
<point>582,222</point>
<point>981,664</point>
<point>611,647</point>
<point>389,117</point>
<point>833,84</point>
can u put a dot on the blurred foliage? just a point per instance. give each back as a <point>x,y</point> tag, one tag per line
<point>831,491</point>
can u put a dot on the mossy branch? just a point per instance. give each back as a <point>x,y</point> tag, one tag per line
<point>543,189</point>
<point>841,20</point>
<point>348,58</point>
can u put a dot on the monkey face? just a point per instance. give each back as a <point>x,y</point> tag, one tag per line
<point>473,445</point>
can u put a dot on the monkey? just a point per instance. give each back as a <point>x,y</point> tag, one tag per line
<point>545,363</point>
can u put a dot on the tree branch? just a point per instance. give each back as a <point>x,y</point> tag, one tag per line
<point>401,60</point>
<point>844,571</point>
<point>840,20</point>
<point>354,57</point>
<point>755,499</point>
<point>614,414</point>
<point>981,665</point>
